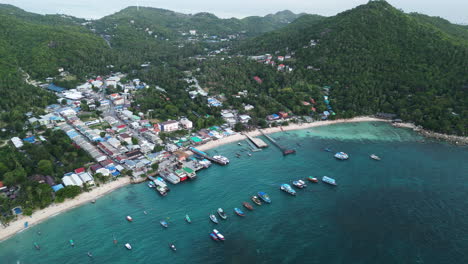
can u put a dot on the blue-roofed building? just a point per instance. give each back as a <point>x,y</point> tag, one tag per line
<point>57,187</point>
<point>115,173</point>
<point>30,139</point>
<point>55,88</point>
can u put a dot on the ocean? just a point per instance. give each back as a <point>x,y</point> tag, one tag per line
<point>411,207</point>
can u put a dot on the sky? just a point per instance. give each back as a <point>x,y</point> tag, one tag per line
<point>455,11</point>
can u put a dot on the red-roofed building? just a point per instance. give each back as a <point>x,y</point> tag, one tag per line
<point>2,187</point>
<point>106,162</point>
<point>79,170</point>
<point>258,80</point>
<point>283,114</point>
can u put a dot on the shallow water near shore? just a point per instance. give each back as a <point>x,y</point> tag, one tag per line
<point>408,208</point>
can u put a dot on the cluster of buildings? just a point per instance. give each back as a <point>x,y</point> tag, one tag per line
<point>232,117</point>
<point>277,116</point>
<point>274,61</point>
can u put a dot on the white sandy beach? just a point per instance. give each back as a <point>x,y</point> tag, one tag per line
<point>239,137</point>
<point>55,209</point>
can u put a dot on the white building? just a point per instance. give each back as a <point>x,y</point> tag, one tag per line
<point>244,119</point>
<point>187,124</point>
<point>86,177</point>
<point>170,126</point>
<point>17,142</point>
<point>193,32</point>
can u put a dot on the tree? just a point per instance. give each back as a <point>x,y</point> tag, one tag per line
<point>134,141</point>
<point>155,166</point>
<point>68,192</point>
<point>45,167</point>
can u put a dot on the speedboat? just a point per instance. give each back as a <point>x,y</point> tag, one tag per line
<point>375,157</point>
<point>213,218</point>
<point>312,179</point>
<point>329,180</point>
<point>239,212</point>
<point>341,156</point>
<point>248,206</point>
<point>299,184</point>
<point>129,218</point>
<point>164,223</point>
<point>151,184</point>
<point>287,188</point>
<point>218,234</point>
<point>256,200</point>
<point>213,236</point>
<point>187,218</point>
<point>128,246</point>
<point>172,246</point>
<point>221,213</point>
<point>72,243</point>
<point>264,196</point>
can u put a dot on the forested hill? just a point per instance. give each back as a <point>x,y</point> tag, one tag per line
<point>169,24</point>
<point>379,59</point>
<point>39,45</point>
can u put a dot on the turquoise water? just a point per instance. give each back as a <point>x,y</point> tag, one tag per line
<point>411,207</point>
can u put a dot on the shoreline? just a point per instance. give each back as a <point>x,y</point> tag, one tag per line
<point>52,210</point>
<point>457,140</point>
<point>270,130</point>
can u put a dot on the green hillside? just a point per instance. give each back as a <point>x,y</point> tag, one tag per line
<point>379,59</point>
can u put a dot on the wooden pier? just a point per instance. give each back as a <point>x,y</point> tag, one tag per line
<point>257,142</point>
<point>285,150</point>
<point>253,148</point>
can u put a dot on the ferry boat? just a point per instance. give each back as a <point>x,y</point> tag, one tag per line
<point>129,218</point>
<point>221,213</point>
<point>264,196</point>
<point>248,206</point>
<point>329,180</point>
<point>239,212</point>
<point>299,184</point>
<point>128,246</point>
<point>172,246</point>
<point>213,236</point>
<point>287,188</point>
<point>187,218</point>
<point>256,200</point>
<point>214,219</point>
<point>375,157</point>
<point>164,223</point>
<point>223,160</point>
<point>218,234</point>
<point>341,156</point>
<point>312,179</point>
<point>72,243</point>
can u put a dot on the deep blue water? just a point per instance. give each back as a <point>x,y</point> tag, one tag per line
<point>411,207</point>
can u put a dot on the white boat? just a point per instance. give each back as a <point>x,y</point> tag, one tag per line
<point>128,246</point>
<point>375,157</point>
<point>218,234</point>
<point>129,218</point>
<point>341,156</point>
<point>329,180</point>
<point>287,188</point>
<point>221,159</point>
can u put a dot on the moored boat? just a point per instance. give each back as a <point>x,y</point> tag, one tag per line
<point>37,246</point>
<point>287,188</point>
<point>256,200</point>
<point>129,218</point>
<point>72,243</point>
<point>329,180</point>
<point>239,212</point>
<point>218,234</point>
<point>221,213</point>
<point>89,254</point>
<point>299,184</point>
<point>341,156</point>
<point>223,160</point>
<point>213,236</point>
<point>172,246</point>
<point>264,196</point>
<point>213,218</point>
<point>151,184</point>
<point>248,206</point>
<point>375,157</point>
<point>128,246</point>
<point>187,218</point>
<point>164,223</point>
<point>312,179</point>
